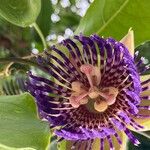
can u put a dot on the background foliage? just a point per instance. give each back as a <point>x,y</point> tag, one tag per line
<point>29,26</point>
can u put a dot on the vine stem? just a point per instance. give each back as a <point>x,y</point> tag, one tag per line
<point>20,60</point>
<point>36,27</point>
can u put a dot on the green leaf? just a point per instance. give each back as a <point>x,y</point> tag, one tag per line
<point>144,51</point>
<point>53,146</point>
<point>62,145</point>
<point>20,12</point>
<point>43,20</point>
<point>145,143</point>
<point>115,17</point>
<point>19,125</point>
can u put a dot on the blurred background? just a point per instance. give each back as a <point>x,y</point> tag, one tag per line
<point>57,20</point>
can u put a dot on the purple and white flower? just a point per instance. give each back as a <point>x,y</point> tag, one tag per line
<point>96,92</point>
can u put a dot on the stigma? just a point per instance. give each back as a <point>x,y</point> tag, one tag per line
<point>102,97</point>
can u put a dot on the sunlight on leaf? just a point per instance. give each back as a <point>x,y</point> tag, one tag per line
<point>20,12</point>
<point>115,17</point>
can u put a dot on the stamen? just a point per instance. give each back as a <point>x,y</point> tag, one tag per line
<point>84,101</point>
<point>76,86</point>
<point>111,100</point>
<point>103,95</point>
<point>112,94</point>
<point>104,64</point>
<point>113,91</point>
<point>75,101</point>
<point>83,95</point>
<point>100,105</point>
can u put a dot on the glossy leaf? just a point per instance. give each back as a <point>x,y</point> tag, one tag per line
<point>20,12</point>
<point>115,17</point>
<point>19,125</point>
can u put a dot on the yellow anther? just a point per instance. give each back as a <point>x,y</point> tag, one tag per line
<point>100,105</point>
<point>113,91</point>
<point>112,94</point>
<point>78,98</point>
<point>111,100</point>
<point>73,102</point>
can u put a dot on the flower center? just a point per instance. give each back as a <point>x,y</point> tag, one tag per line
<point>102,97</point>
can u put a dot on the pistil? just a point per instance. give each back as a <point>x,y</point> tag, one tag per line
<point>102,98</point>
<point>87,70</point>
<point>100,105</point>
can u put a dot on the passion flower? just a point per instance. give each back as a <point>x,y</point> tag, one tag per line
<point>95,92</point>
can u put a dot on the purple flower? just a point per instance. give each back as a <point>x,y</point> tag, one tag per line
<point>95,93</point>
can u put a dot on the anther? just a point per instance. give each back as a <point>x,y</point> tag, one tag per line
<point>84,101</point>
<point>111,99</point>
<point>100,105</point>
<point>111,95</point>
<point>75,99</point>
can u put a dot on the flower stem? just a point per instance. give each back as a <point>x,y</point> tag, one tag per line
<point>36,27</point>
<point>22,61</point>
